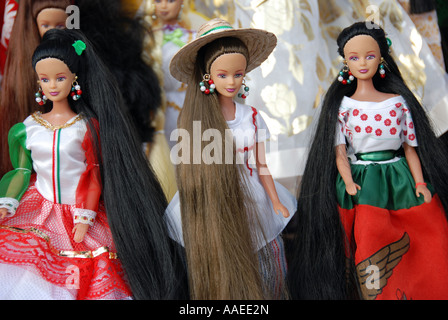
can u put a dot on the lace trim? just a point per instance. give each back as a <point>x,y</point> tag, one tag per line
<point>84,216</point>
<point>63,253</point>
<point>9,203</point>
<point>37,116</point>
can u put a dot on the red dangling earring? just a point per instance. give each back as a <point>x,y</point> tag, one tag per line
<point>206,79</point>
<point>76,90</point>
<point>382,70</point>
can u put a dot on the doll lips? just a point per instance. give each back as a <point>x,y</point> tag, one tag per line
<point>363,71</point>
<point>230,90</point>
<point>54,93</point>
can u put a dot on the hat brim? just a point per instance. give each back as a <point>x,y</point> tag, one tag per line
<point>260,44</point>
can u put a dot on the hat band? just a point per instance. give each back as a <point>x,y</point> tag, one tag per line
<point>215,29</point>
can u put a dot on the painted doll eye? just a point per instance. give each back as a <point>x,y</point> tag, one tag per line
<point>370,57</point>
<point>353,58</point>
<point>61,79</point>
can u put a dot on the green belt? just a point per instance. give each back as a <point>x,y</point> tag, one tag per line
<point>377,155</point>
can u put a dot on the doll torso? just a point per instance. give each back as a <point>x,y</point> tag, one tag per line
<point>374,126</point>
<point>58,158</point>
<point>247,128</point>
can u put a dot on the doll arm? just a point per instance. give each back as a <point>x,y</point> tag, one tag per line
<point>416,171</point>
<point>88,192</point>
<point>345,171</point>
<point>266,180</point>
<point>14,183</point>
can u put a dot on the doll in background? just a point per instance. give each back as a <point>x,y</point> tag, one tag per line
<point>168,31</point>
<point>171,31</point>
<point>33,18</point>
<point>88,224</point>
<point>228,214</point>
<point>374,191</point>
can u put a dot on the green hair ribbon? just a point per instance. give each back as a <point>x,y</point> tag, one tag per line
<point>79,46</point>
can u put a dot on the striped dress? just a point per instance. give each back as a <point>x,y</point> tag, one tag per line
<point>55,184</point>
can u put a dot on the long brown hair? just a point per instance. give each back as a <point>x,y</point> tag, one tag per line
<point>19,81</point>
<point>218,217</point>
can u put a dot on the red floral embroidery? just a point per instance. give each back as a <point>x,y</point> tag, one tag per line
<point>398,105</point>
<point>398,121</point>
<point>355,112</point>
<point>364,117</point>
<point>405,132</point>
<point>387,122</point>
<point>378,117</point>
<point>378,132</point>
<point>411,125</point>
<point>411,137</point>
<point>369,129</point>
<point>393,113</point>
<point>393,131</point>
<point>358,129</point>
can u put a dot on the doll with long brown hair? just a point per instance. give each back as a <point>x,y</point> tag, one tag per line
<point>229,213</point>
<point>371,215</point>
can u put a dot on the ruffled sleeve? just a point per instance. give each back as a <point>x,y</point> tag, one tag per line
<point>407,127</point>
<point>14,184</point>
<point>341,127</point>
<point>261,129</point>
<point>88,192</point>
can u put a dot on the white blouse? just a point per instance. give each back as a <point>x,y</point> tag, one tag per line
<point>374,126</point>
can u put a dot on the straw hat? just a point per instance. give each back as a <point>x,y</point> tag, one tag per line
<point>260,44</point>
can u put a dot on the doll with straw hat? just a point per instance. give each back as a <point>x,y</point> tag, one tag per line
<point>228,213</point>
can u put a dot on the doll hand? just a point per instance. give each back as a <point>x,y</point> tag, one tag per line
<point>278,207</point>
<point>3,213</point>
<point>80,231</point>
<point>352,188</point>
<point>423,190</point>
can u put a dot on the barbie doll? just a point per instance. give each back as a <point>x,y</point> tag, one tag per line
<point>82,211</point>
<point>172,24</point>
<point>226,213</point>
<point>33,18</point>
<point>373,193</point>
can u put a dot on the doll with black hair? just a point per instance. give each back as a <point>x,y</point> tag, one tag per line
<point>33,18</point>
<point>81,210</point>
<point>373,197</point>
<point>229,213</point>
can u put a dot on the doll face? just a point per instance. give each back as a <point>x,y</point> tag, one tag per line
<point>49,19</point>
<point>227,72</point>
<point>363,56</point>
<point>55,78</point>
<point>168,10</point>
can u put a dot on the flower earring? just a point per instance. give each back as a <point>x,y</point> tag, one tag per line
<point>382,70</point>
<point>245,93</point>
<point>76,90</point>
<point>345,75</point>
<point>41,99</point>
<point>207,80</point>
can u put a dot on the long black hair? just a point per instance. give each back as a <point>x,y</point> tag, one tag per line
<point>319,267</point>
<point>118,38</point>
<point>134,200</point>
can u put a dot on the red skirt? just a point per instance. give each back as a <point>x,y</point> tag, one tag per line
<point>400,247</point>
<point>39,238</point>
